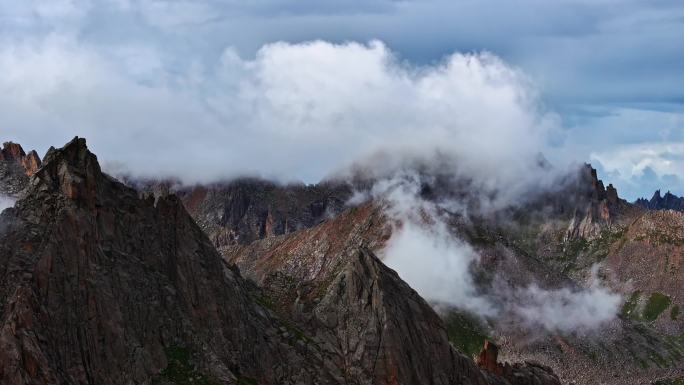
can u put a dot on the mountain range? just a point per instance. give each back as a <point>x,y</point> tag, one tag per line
<point>132,281</point>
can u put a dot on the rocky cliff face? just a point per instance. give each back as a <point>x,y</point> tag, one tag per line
<point>596,206</point>
<point>12,152</point>
<point>15,168</point>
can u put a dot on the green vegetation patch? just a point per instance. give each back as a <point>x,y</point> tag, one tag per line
<point>657,303</point>
<point>630,305</point>
<point>465,332</point>
<point>675,312</point>
<point>179,370</point>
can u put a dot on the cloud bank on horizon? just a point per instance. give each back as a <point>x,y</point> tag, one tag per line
<point>294,111</point>
<point>201,89</point>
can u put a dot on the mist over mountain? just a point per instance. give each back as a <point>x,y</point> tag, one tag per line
<point>518,260</point>
<point>555,264</point>
<point>341,192</point>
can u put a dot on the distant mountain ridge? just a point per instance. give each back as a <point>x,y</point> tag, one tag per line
<point>668,201</point>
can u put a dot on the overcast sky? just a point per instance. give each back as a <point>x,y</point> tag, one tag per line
<point>211,89</point>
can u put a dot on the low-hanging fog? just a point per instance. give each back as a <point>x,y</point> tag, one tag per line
<point>437,263</point>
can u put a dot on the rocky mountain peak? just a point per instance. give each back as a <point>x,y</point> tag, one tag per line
<point>595,205</point>
<point>100,286</point>
<point>612,195</point>
<point>656,196</point>
<point>597,189</point>
<point>73,170</point>
<point>15,168</point>
<point>13,153</point>
<point>658,201</point>
<point>31,163</point>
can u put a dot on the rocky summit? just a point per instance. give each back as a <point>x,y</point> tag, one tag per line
<point>103,284</point>
<point>16,167</point>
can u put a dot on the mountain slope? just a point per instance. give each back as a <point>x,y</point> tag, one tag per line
<point>327,281</point>
<point>97,284</point>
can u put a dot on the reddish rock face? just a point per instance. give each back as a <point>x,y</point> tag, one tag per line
<point>489,358</point>
<point>596,207</point>
<point>14,153</point>
<point>31,163</point>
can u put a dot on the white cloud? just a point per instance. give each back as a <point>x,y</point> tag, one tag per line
<point>423,250</point>
<point>641,168</point>
<point>565,309</point>
<point>631,160</point>
<point>274,114</point>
